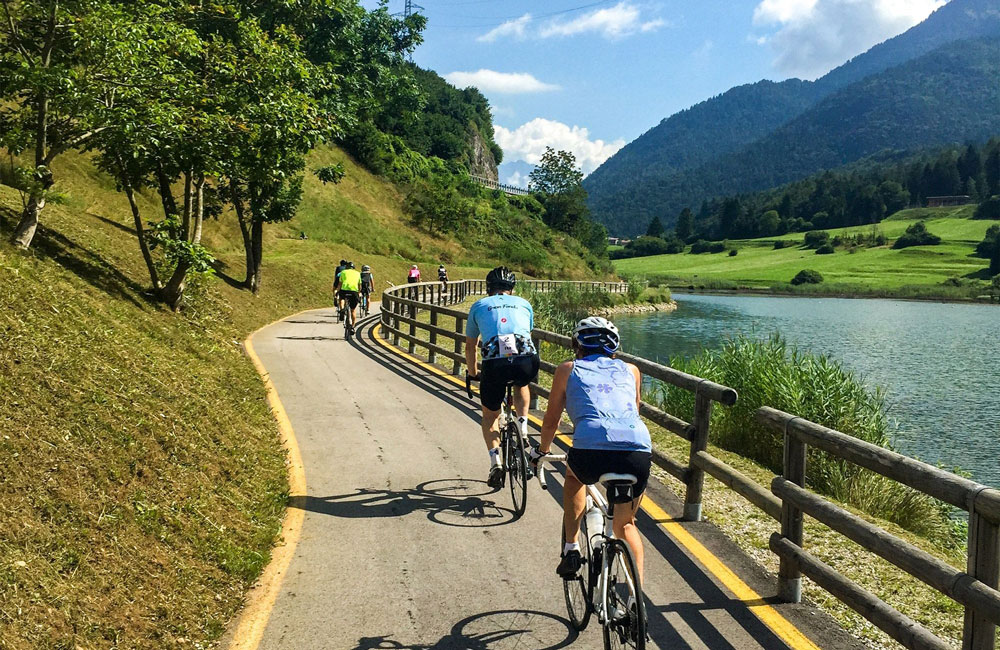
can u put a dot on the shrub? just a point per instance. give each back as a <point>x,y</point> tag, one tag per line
<point>733,253</point>
<point>826,249</point>
<point>817,388</point>
<point>807,276</point>
<point>645,246</point>
<point>702,246</point>
<point>783,243</point>
<point>917,235</point>
<point>988,209</point>
<point>816,238</point>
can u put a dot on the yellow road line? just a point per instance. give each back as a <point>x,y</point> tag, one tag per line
<point>260,601</point>
<point>767,614</point>
<point>777,623</point>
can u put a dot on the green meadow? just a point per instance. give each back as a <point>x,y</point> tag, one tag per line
<point>758,265</point>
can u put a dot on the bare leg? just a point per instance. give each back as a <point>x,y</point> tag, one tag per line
<point>574,503</point>
<point>491,428</point>
<point>624,526</point>
<point>522,398</point>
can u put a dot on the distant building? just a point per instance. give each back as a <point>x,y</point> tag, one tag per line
<point>947,201</point>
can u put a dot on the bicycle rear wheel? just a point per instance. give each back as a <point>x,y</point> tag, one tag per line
<point>517,470</point>
<point>626,610</point>
<point>579,591</point>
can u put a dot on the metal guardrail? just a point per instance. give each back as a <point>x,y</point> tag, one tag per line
<point>787,501</point>
<point>497,185</point>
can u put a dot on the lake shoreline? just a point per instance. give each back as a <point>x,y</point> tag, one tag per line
<point>639,308</point>
<point>846,294</point>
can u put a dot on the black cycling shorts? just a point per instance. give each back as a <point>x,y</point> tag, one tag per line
<point>350,297</point>
<point>497,373</point>
<point>590,464</point>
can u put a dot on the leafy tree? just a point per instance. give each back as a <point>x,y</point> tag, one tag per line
<point>685,225</point>
<point>988,209</point>
<point>646,246</point>
<point>655,228</point>
<point>894,197</point>
<point>807,276</point>
<point>769,224</point>
<point>556,173</point>
<point>917,235</point>
<point>816,238</point>
<point>53,84</point>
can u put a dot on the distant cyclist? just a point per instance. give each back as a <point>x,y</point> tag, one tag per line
<point>348,287</point>
<point>601,395</point>
<point>500,327</point>
<point>336,296</point>
<point>367,286</point>
<point>443,276</point>
<point>413,275</point>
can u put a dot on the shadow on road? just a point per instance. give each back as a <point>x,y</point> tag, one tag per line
<point>490,631</point>
<point>450,502</point>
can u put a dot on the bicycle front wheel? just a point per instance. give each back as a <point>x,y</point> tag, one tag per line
<point>517,469</point>
<point>579,591</point>
<point>626,611</point>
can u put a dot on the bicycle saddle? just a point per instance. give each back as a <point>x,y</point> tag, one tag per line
<point>618,479</point>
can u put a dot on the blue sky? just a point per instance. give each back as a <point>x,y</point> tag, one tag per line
<point>590,76</point>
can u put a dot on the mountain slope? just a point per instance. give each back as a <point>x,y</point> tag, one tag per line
<point>657,164</point>
<point>944,97</point>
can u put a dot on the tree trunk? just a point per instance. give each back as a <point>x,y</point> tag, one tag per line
<point>188,206</point>
<point>198,214</point>
<point>166,194</point>
<point>140,233</point>
<point>258,253</point>
<point>173,292</point>
<point>28,224</point>
<point>240,208</point>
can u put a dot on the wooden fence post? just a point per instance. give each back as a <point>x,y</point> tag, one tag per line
<point>431,354</point>
<point>384,319</point>
<point>984,565</point>
<point>396,307</point>
<point>789,578</point>
<point>413,329</point>
<point>456,366</point>
<point>696,476</point>
<point>533,404</point>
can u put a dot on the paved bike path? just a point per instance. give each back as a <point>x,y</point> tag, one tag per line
<point>404,546</point>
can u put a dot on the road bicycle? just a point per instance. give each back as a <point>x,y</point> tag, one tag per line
<point>365,303</point>
<point>608,584</point>
<point>514,447</point>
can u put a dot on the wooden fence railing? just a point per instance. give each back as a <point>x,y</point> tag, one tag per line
<point>787,501</point>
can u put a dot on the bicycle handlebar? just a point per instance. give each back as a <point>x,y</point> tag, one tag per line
<point>547,459</point>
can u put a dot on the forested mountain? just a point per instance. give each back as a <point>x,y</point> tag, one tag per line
<point>661,170</point>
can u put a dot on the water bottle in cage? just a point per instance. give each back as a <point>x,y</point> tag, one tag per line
<point>595,522</point>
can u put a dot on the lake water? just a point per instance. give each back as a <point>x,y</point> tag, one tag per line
<point>939,363</point>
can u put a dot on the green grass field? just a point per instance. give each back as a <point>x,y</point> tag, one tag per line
<point>759,265</point>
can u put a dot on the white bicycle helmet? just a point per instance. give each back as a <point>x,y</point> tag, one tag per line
<point>596,333</point>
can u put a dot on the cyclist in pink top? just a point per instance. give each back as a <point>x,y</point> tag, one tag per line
<point>413,275</point>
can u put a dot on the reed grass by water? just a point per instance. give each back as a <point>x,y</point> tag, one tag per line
<point>771,373</point>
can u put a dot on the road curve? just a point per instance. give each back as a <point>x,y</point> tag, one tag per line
<point>404,546</point>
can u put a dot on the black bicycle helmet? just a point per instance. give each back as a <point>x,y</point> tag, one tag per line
<point>343,262</point>
<point>500,279</point>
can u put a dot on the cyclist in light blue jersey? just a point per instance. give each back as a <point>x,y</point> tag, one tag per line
<point>601,395</point>
<point>499,327</point>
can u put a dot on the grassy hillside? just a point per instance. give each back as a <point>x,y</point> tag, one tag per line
<point>880,269</point>
<point>142,479</point>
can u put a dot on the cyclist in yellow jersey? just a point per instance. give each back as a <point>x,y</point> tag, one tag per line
<point>348,285</point>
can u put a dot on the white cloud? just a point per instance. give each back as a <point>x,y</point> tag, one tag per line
<point>621,20</point>
<point>528,142</point>
<point>491,81</point>
<point>514,28</point>
<point>814,36</point>
<point>517,179</point>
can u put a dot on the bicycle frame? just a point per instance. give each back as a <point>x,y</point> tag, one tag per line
<point>594,500</point>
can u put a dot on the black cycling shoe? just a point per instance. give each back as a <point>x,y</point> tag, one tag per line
<point>495,480</point>
<point>569,565</point>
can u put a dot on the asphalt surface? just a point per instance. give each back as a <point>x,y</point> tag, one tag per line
<point>404,546</point>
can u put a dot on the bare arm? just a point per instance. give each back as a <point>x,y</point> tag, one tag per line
<point>638,384</point>
<point>557,402</point>
<point>471,352</point>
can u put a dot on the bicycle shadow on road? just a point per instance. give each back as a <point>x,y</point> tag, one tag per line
<point>490,631</point>
<point>449,502</point>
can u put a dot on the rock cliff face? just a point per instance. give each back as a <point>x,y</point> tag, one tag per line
<point>481,161</point>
